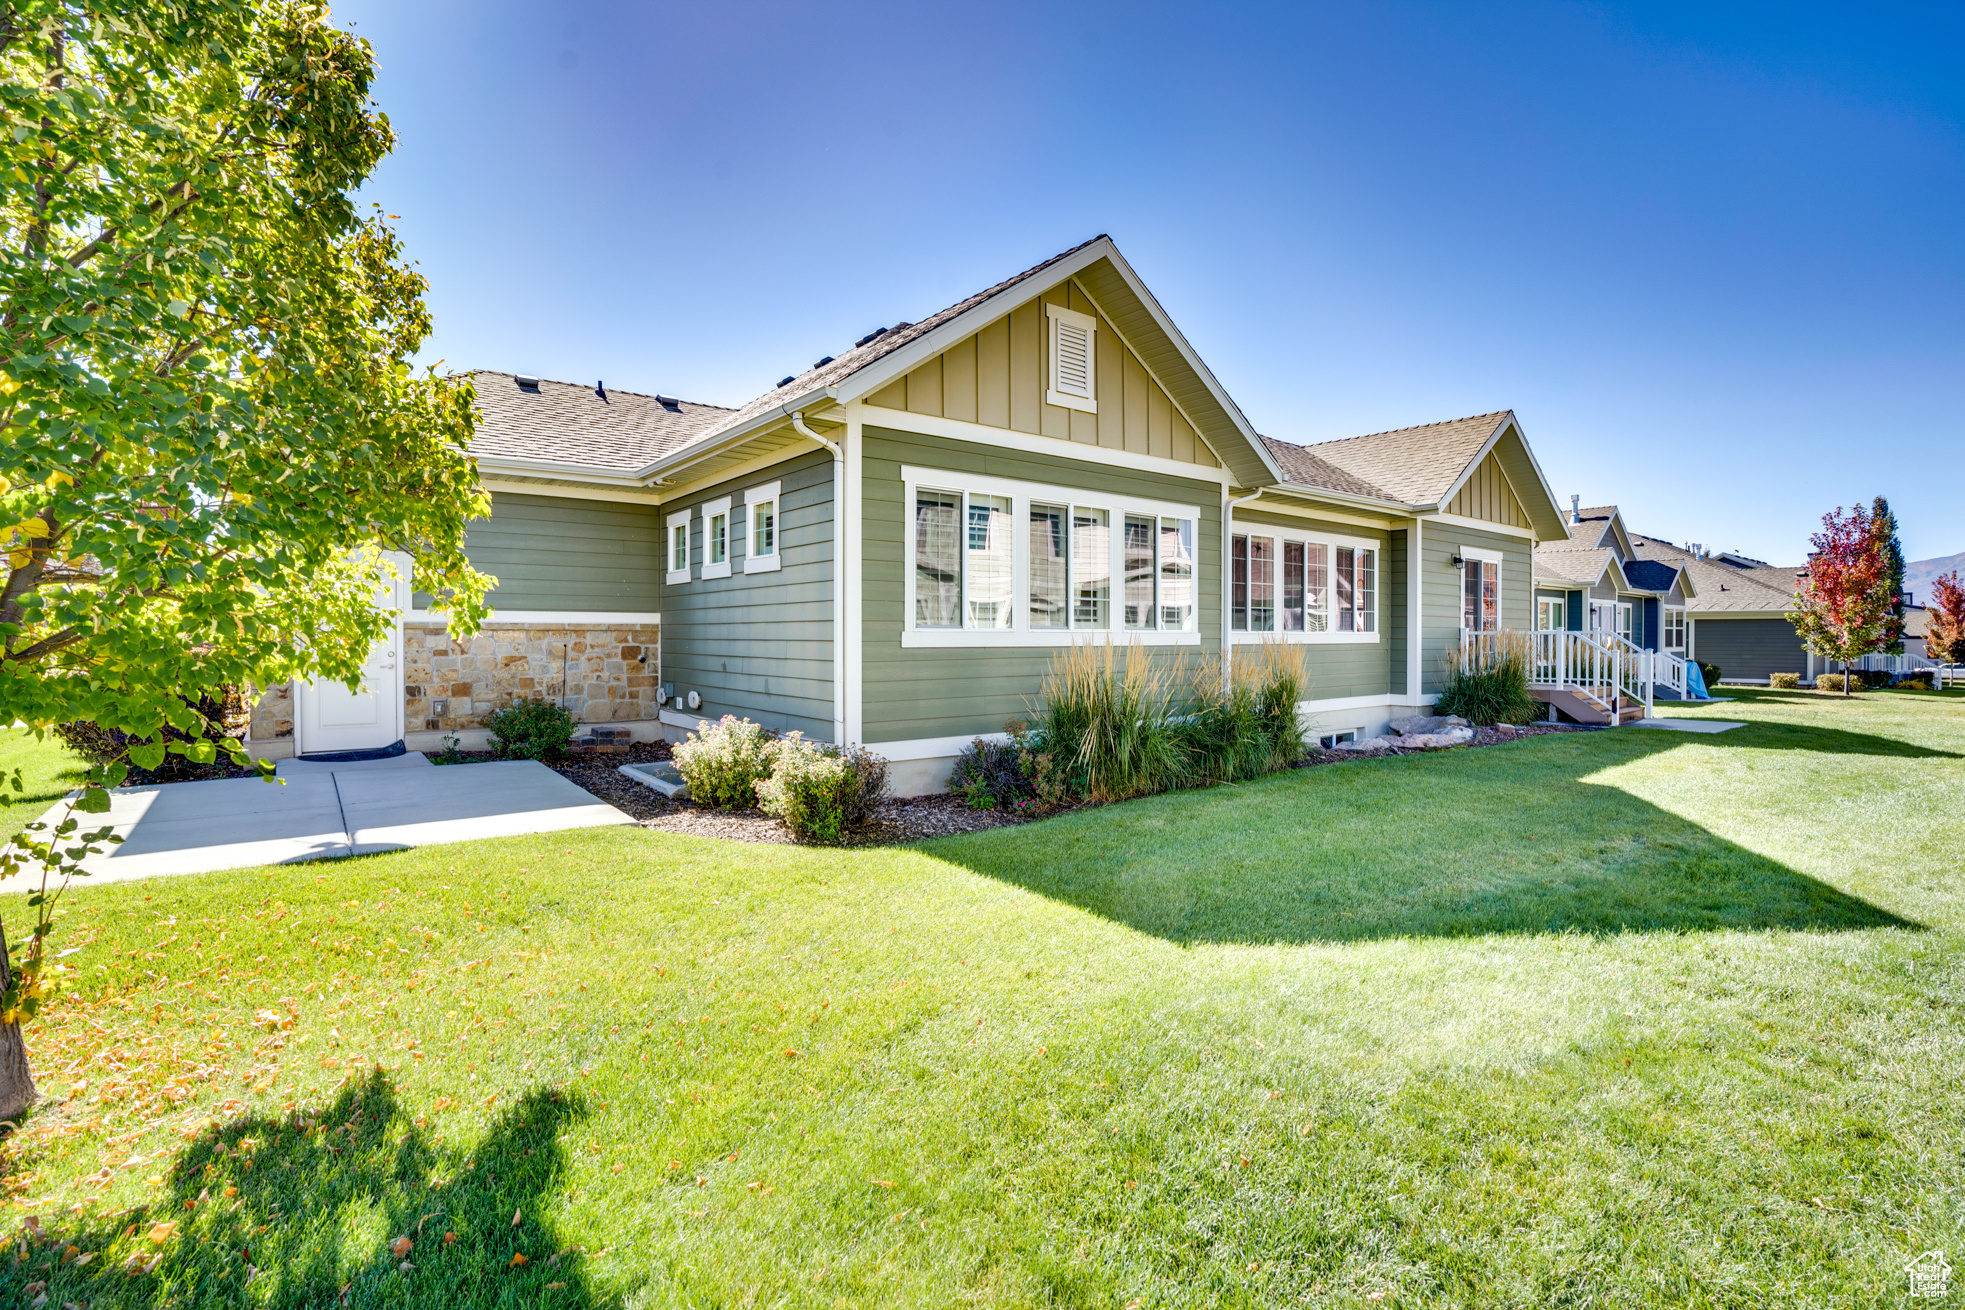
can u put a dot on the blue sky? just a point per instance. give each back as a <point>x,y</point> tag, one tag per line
<point>1711,255</point>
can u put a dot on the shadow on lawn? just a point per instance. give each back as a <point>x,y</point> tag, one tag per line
<point>1506,839</point>
<point>301,1211</point>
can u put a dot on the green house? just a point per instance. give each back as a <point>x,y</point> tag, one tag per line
<point>892,547</point>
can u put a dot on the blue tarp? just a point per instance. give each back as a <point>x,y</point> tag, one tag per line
<point>1695,682</point>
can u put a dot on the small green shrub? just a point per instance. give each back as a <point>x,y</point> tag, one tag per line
<point>1784,681</point>
<point>724,761</point>
<point>1920,681</point>
<point>1488,684</point>
<point>530,730</point>
<point>1875,677</point>
<point>991,775</point>
<point>821,793</point>
<point>1710,672</point>
<point>1838,682</point>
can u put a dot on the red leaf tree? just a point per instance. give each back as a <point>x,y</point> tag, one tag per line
<point>1944,621</point>
<point>1842,604</point>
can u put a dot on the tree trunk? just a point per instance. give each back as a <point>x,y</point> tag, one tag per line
<point>17,1090</point>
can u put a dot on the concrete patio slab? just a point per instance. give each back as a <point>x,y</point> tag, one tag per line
<point>389,810</point>
<point>408,760</point>
<point>349,809</point>
<point>1686,725</point>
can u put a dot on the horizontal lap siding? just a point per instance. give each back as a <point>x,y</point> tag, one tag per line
<point>1441,585</point>
<point>910,694</point>
<point>1350,668</point>
<point>759,645</point>
<point>553,553</point>
<point>1749,648</point>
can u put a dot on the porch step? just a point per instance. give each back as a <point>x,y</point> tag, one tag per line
<point>1576,705</point>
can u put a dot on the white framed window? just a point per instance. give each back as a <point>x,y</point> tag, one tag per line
<point>1674,637</point>
<point>1480,591</point>
<point>1306,588</point>
<point>1551,613</point>
<point>995,562</point>
<point>678,547</point>
<point>1074,359</point>
<point>1333,739</point>
<point>761,543</point>
<point>716,538</point>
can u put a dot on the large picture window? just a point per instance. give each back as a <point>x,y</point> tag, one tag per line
<point>1296,585</point>
<point>997,561</point>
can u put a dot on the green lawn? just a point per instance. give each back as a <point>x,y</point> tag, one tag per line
<point>1610,1019</point>
<point>47,773</point>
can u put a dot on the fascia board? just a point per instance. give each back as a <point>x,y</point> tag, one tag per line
<point>572,472</point>
<point>1304,491</point>
<point>738,435</point>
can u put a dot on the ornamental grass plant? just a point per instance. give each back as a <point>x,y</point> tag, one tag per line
<point>1488,683</point>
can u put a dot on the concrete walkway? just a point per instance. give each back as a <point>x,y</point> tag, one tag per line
<point>319,811</point>
<point>1687,725</point>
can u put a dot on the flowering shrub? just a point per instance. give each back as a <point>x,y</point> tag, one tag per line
<point>820,793</point>
<point>723,762</point>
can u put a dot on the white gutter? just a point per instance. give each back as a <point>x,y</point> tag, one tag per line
<point>839,504</point>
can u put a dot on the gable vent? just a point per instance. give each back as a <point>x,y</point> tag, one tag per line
<point>1073,366</point>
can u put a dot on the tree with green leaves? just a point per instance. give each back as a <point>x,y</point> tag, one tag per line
<point>1841,606</point>
<point>1884,524</point>
<point>211,426</point>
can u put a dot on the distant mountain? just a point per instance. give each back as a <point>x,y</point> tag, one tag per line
<point>1919,574</point>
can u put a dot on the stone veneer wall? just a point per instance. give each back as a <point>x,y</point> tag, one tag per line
<point>504,662</point>
<point>605,675</point>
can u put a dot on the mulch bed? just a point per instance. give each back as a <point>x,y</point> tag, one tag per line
<point>899,820</point>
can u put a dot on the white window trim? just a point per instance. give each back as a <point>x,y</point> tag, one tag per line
<point>709,509</point>
<point>1020,633</point>
<point>676,577</point>
<point>1239,528</point>
<point>1562,607</point>
<point>775,560</point>
<point>1054,315</point>
<point>1665,613</point>
<point>1500,563</point>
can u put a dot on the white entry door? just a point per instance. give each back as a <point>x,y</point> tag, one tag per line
<point>328,717</point>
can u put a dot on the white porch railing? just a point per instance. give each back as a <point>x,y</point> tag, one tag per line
<point>1602,666</point>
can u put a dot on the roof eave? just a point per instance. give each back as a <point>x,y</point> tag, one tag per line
<point>737,436</point>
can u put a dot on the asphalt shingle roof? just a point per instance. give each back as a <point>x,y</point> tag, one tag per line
<point>1413,466</point>
<point>1582,567</point>
<point>1304,468</point>
<point>565,422</point>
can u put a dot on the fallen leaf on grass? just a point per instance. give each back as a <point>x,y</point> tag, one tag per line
<point>162,1232</point>
<point>401,1247</point>
<point>516,1216</point>
<point>882,1182</point>
<point>517,1261</point>
<point>449,1238</point>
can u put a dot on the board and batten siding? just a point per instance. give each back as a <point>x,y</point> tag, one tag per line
<point>1487,494</point>
<point>910,694</point>
<point>1347,668</point>
<point>758,645</point>
<point>1443,588</point>
<point>997,378</point>
<point>556,553</point>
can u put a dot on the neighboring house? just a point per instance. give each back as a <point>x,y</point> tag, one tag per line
<point>1739,615</point>
<point>1594,578</point>
<point>892,547</point>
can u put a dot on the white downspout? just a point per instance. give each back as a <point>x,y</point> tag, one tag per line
<point>838,574</point>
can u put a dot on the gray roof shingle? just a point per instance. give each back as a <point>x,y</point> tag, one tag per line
<point>1413,466</point>
<point>566,423</point>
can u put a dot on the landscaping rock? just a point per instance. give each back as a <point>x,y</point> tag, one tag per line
<point>1426,723</point>
<point>1432,741</point>
<point>1369,746</point>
